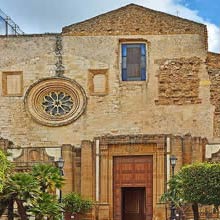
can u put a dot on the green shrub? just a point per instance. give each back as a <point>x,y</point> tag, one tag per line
<point>74,203</point>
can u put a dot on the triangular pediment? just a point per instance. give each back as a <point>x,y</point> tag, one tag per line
<point>134,20</point>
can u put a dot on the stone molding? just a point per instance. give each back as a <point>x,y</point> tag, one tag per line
<point>213,152</point>
<point>130,145</point>
<point>131,139</point>
<point>91,82</point>
<point>16,84</point>
<point>35,95</point>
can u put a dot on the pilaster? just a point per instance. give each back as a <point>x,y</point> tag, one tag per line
<point>87,174</point>
<point>68,156</point>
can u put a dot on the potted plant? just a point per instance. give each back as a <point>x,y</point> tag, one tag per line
<point>75,205</point>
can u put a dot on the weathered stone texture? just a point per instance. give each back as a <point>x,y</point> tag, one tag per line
<point>23,44</point>
<point>179,81</point>
<point>128,108</point>
<point>135,20</point>
<point>216,119</point>
<point>213,61</point>
<point>215,88</point>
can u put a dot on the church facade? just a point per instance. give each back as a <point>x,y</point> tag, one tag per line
<point>115,96</point>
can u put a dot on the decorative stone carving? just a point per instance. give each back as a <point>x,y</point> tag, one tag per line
<point>55,101</point>
<point>132,148</point>
<point>212,150</point>
<point>58,51</point>
<point>54,152</point>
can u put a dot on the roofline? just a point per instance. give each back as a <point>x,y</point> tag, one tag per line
<point>29,35</point>
<point>132,4</point>
<point>213,53</point>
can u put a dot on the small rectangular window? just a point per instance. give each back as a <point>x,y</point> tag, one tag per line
<point>133,62</point>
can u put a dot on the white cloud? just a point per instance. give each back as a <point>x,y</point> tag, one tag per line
<point>213,37</point>
<point>175,7</point>
<point>51,16</point>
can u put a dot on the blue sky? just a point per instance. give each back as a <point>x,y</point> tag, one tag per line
<point>208,9</point>
<point>40,16</point>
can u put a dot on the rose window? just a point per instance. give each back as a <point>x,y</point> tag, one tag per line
<point>57,103</point>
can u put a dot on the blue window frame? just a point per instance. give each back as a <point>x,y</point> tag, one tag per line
<point>133,62</point>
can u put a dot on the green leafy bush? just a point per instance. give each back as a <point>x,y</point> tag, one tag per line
<point>74,203</point>
<point>5,165</point>
<point>197,183</point>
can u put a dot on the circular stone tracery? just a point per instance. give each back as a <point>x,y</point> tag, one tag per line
<point>55,101</point>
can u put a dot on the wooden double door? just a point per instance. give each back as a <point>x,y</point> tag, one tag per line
<point>133,203</point>
<point>133,188</point>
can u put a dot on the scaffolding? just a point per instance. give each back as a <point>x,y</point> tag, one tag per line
<point>8,26</point>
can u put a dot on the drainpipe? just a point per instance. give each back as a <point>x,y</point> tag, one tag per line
<point>97,170</point>
<point>168,158</point>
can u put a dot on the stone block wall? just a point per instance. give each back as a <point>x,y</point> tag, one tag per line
<point>136,20</point>
<point>213,61</point>
<point>188,149</point>
<point>123,107</point>
<point>91,55</point>
<point>179,81</point>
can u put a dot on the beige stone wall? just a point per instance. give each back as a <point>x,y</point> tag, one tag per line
<point>127,108</point>
<point>34,56</point>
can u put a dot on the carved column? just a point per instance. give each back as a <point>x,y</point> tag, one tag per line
<point>158,207</point>
<point>87,168</point>
<point>104,183</point>
<point>160,176</point>
<point>197,150</point>
<point>187,149</point>
<point>177,150</point>
<point>104,174</point>
<point>68,156</point>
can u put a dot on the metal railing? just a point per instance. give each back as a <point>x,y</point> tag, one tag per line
<point>8,26</point>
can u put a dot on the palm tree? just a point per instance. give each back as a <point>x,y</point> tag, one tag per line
<point>4,202</point>
<point>48,177</point>
<point>29,190</point>
<point>20,188</point>
<point>48,206</point>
